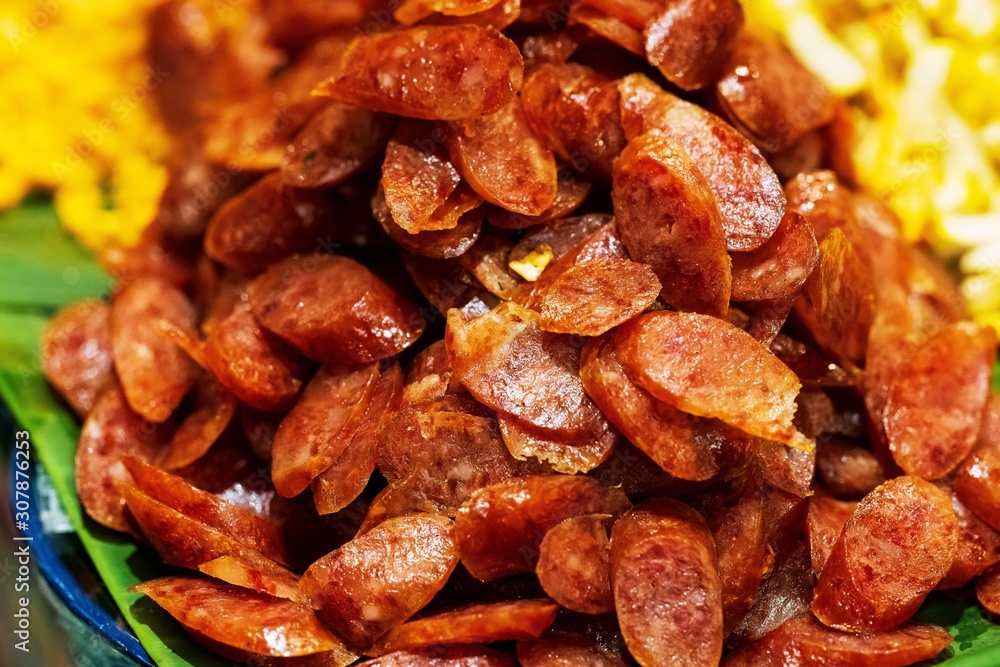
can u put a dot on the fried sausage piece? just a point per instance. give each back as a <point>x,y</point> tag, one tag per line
<point>667,591</point>
<point>977,480</point>
<point>435,454</point>
<point>321,425</point>
<point>432,72</point>
<point>848,471</point>
<point>574,564</point>
<point>568,454</point>
<point>571,192</point>
<point>244,619</point>
<point>211,412</point>
<point>840,298</point>
<point>935,405</point>
<point>988,590</point>
<point>344,480</point>
<point>509,364</point>
<point>422,188</point>
<point>155,373</point>
<point>499,529</point>
<point>746,189</point>
<point>334,309</point>
<point>438,656</point>
<point>473,624</point>
<point>896,547</point>
<point>503,161</point>
<point>806,642</point>
<point>563,649</point>
<point>111,432</point>
<point>690,41</point>
<point>709,368</point>
<point>434,243</point>
<point>381,578</point>
<point>76,354</point>
<point>409,12</point>
<point>271,579</point>
<point>825,522</point>
<point>770,95</point>
<point>687,447</point>
<point>262,370</point>
<point>574,111</point>
<point>736,518</point>
<point>336,143</point>
<point>978,543</point>
<point>238,523</point>
<point>267,222</point>
<point>779,268</point>
<point>594,297</point>
<point>669,219</point>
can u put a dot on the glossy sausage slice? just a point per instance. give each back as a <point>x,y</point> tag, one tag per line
<point>806,642</point>
<point>422,188</point>
<point>665,579</point>
<point>76,353</point>
<point>669,219</point>
<point>211,412</point>
<point>574,111</point>
<point>344,480</point>
<point>977,480</point>
<point>978,544</point>
<point>503,161</point>
<point>437,656</point>
<point>509,364</point>
<point>111,432</point>
<point>271,579</point>
<point>563,649</point>
<point>336,143</point>
<point>770,95</point>
<point>473,624</point>
<point>709,368</point>
<point>746,189</point>
<point>334,309</point>
<point>321,425</point>
<point>689,41</point>
<point>574,564</point>
<point>499,529</point>
<point>779,268</point>
<point>935,405</point>
<point>895,548</point>
<point>683,445</point>
<point>381,578</point>
<point>988,590</point>
<point>825,522</point>
<point>155,374</point>
<point>429,72</point>
<point>265,223</point>
<point>239,523</point>
<point>262,370</point>
<point>244,619</point>
<point>593,297</point>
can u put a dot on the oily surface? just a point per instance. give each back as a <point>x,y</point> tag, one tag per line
<point>497,332</point>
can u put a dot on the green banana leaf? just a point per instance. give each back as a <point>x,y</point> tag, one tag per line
<point>42,268</point>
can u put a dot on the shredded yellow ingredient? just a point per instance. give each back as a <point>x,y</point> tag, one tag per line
<point>76,118</point>
<point>925,79</point>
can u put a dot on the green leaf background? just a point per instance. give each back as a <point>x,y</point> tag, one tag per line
<point>43,269</point>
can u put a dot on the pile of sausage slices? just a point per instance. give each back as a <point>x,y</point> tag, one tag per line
<point>483,333</point>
